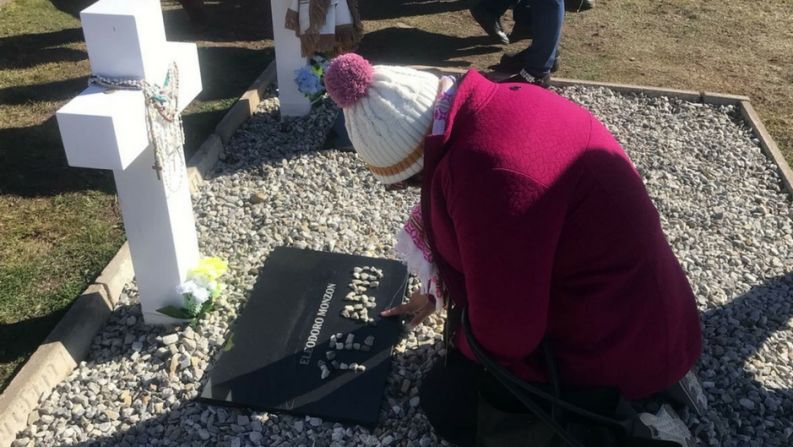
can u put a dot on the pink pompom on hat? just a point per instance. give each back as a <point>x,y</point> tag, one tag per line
<point>348,78</point>
<point>388,113</point>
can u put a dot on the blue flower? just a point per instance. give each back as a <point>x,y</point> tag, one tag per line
<point>308,83</point>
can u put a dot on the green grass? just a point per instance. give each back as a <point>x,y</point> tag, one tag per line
<point>59,226</point>
<point>49,250</point>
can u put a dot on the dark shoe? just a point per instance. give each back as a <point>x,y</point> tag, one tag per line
<point>490,23</point>
<point>521,31</point>
<point>511,62</point>
<point>578,5</point>
<point>525,78</point>
<point>514,62</point>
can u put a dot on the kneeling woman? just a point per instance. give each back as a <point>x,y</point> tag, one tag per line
<point>535,222</point>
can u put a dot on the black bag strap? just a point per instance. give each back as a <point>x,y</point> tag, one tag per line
<point>514,384</point>
<point>553,374</point>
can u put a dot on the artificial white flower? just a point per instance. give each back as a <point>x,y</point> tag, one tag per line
<point>199,293</point>
<point>202,281</point>
<point>187,287</point>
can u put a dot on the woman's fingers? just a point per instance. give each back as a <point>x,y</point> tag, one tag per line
<point>407,308</point>
<point>416,302</point>
<point>419,306</point>
<point>422,315</point>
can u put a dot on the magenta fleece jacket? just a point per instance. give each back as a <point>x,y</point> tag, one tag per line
<point>543,228</point>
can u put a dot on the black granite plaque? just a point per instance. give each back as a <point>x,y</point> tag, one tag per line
<point>270,360</point>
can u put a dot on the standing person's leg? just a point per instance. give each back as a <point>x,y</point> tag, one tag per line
<point>521,14</point>
<point>487,14</point>
<point>497,7</point>
<point>537,61</point>
<point>547,17</point>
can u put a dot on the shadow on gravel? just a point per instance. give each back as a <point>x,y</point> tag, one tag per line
<point>733,335</point>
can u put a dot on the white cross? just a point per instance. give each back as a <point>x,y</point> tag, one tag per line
<point>106,129</point>
<point>288,59</point>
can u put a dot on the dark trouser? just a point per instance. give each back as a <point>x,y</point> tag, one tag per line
<point>547,17</point>
<point>450,393</point>
<point>449,396</point>
<point>497,7</point>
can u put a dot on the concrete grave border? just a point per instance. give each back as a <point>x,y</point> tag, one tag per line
<point>68,343</point>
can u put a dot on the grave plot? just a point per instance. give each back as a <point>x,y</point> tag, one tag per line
<point>722,209</point>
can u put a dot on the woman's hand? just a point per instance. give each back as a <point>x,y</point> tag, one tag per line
<point>419,306</point>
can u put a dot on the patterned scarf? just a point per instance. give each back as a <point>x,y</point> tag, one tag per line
<point>325,26</point>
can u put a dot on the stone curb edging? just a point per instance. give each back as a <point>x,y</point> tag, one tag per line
<point>703,97</point>
<point>68,343</point>
<point>64,347</point>
<point>768,144</point>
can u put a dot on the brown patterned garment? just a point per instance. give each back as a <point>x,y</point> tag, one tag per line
<point>325,26</point>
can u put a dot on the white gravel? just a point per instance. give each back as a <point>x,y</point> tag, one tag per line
<point>721,205</point>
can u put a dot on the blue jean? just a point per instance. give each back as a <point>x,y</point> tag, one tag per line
<point>547,17</point>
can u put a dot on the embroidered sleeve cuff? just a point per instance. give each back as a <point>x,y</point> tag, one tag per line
<point>418,265</point>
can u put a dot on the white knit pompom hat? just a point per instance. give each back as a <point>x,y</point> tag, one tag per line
<point>388,113</point>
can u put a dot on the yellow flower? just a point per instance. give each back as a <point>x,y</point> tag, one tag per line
<point>210,268</point>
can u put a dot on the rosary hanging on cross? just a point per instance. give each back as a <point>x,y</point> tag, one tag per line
<point>163,122</point>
